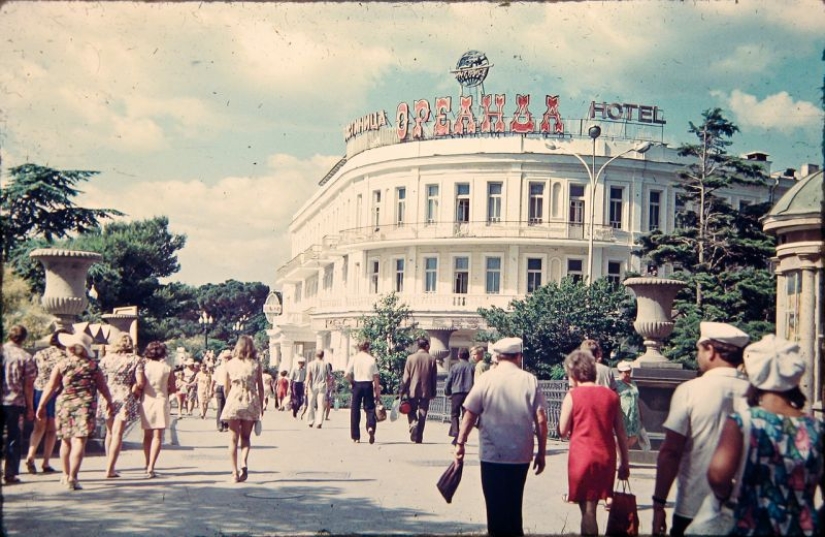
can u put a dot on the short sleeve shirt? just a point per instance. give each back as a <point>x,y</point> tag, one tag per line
<point>362,367</point>
<point>18,368</point>
<point>697,411</point>
<point>45,360</point>
<point>507,398</point>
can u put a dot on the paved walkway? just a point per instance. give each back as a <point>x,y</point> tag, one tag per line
<point>302,482</point>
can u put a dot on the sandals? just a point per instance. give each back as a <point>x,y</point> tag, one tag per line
<point>30,467</point>
<point>244,474</point>
<point>113,475</point>
<point>49,470</point>
<point>234,478</point>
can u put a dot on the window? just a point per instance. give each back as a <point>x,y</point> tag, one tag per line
<point>493,202</point>
<point>311,287</point>
<point>374,272</point>
<point>299,287</point>
<point>793,292</point>
<point>574,269</point>
<point>654,211</point>
<point>400,205</point>
<point>493,278</point>
<point>328,276</point>
<point>399,275</point>
<point>533,274</point>
<point>430,274</point>
<point>536,204</point>
<point>344,268</point>
<point>462,202</point>
<point>432,203</point>
<point>461,275</point>
<point>680,207</point>
<point>576,204</point>
<point>376,209</point>
<point>614,272</point>
<point>616,207</point>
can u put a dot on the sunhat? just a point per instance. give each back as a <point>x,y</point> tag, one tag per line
<point>67,340</point>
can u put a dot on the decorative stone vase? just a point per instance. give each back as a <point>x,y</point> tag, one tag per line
<point>654,300</point>
<point>66,273</point>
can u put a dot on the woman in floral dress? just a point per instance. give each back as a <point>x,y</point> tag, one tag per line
<point>244,388</point>
<point>629,400</point>
<point>204,381</point>
<point>783,449</point>
<point>81,379</point>
<point>119,367</point>
<point>45,430</point>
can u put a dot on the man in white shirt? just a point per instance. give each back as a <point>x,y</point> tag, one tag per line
<point>317,373</point>
<point>362,372</point>
<point>697,413</point>
<point>512,407</point>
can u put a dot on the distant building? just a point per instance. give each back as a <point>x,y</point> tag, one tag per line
<point>796,221</point>
<point>459,206</point>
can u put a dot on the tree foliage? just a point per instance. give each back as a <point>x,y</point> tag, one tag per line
<point>391,335</point>
<point>720,251</point>
<point>20,307</point>
<point>557,317</point>
<point>37,202</point>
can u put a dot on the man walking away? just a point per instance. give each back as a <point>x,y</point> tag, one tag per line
<point>362,372</point>
<point>419,385</point>
<point>512,406</point>
<point>19,373</point>
<point>458,385</point>
<point>317,373</point>
<point>698,410</point>
<point>604,375</point>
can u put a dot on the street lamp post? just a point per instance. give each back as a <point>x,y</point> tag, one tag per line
<point>205,320</point>
<point>594,132</point>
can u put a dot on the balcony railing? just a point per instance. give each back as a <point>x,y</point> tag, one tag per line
<point>520,229</point>
<point>420,303</point>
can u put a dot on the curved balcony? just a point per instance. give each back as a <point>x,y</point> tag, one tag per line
<point>509,230</point>
<point>421,304</point>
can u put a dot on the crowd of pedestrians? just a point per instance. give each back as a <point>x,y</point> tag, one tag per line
<point>739,435</point>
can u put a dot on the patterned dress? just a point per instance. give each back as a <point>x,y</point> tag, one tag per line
<point>782,472</point>
<point>243,402</point>
<point>77,403</point>
<point>120,369</point>
<point>204,379</point>
<point>629,399</point>
<point>46,360</point>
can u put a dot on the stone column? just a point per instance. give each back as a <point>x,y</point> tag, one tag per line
<point>807,325</point>
<point>66,273</point>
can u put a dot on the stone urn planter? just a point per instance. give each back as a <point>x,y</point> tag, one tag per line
<point>654,300</point>
<point>66,273</point>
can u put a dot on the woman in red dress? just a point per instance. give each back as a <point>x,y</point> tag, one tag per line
<point>591,416</point>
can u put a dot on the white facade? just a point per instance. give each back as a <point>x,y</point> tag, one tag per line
<point>457,223</point>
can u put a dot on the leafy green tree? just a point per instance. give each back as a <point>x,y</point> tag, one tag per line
<point>20,307</point>
<point>557,317</point>
<point>231,303</point>
<point>391,333</point>
<point>37,202</point>
<point>720,251</point>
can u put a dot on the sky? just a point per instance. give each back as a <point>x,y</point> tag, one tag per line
<point>225,116</point>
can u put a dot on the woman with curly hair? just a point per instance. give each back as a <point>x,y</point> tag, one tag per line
<point>120,368</point>
<point>154,384</point>
<point>244,389</point>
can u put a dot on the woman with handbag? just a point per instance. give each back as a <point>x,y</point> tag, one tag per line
<point>783,448</point>
<point>591,416</point>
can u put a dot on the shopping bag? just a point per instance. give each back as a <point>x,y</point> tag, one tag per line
<point>449,480</point>
<point>380,412</point>
<point>258,427</point>
<point>394,410</point>
<point>624,516</point>
<point>712,518</point>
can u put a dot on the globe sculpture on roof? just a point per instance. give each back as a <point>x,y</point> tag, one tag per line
<point>472,69</point>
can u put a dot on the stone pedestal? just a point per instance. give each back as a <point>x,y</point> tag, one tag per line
<point>66,273</point>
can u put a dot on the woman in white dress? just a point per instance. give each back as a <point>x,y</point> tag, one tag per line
<point>154,384</point>
<point>244,389</point>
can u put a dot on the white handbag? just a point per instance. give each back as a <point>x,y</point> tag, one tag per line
<point>714,517</point>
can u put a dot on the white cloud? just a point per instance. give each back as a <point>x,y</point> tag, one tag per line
<point>236,226</point>
<point>749,58</point>
<point>779,111</point>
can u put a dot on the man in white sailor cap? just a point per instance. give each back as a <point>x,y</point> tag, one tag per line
<point>693,425</point>
<point>510,405</point>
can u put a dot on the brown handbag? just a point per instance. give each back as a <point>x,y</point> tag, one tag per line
<point>624,516</point>
<point>449,480</point>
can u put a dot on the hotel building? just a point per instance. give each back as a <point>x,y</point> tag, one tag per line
<point>461,205</point>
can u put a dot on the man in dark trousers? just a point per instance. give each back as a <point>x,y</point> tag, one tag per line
<point>419,385</point>
<point>458,385</point>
